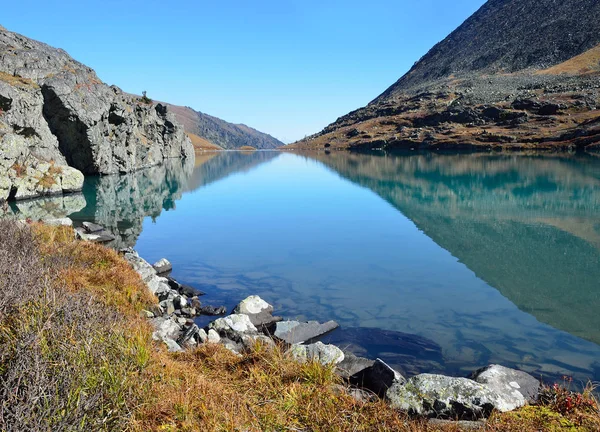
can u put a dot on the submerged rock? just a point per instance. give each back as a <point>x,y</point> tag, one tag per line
<point>294,332</point>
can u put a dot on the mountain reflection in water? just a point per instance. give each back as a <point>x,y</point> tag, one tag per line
<point>435,263</point>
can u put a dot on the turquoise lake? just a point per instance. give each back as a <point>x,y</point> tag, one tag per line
<point>434,263</point>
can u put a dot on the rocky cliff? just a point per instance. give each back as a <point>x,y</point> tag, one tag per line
<point>516,74</point>
<point>221,133</point>
<point>58,119</point>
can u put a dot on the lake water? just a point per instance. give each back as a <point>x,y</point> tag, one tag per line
<point>434,263</point>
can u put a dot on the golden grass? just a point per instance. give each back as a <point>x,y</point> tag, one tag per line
<point>17,81</point>
<point>247,148</point>
<point>200,143</point>
<point>585,63</point>
<point>209,388</point>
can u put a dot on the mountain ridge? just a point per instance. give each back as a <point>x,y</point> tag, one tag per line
<point>498,81</point>
<point>220,132</point>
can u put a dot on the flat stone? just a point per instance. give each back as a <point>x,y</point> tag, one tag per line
<point>511,381</point>
<point>162,266</point>
<point>91,227</point>
<point>324,354</point>
<point>99,237</point>
<point>377,378</point>
<point>294,332</point>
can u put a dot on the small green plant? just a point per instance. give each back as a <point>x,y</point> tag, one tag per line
<point>145,99</point>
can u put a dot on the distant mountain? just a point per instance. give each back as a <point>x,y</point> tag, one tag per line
<point>517,73</point>
<point>218,132</point>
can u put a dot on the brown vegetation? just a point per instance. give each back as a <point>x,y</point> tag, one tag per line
<point>75,354</point>
<point>17,81</point>
<point>585,63</point>
<point>200,143</point>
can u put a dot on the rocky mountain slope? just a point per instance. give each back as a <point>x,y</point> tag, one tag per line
<point>516,74</point>
<point>221,133</point>
<point>58,119</point>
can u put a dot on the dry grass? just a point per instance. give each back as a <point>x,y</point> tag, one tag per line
<point>46,181</point>
<point>585,63</point>
<point>76,355</point>
<point>200,143</point>
<point>247,148</point>
<point>17,81</point>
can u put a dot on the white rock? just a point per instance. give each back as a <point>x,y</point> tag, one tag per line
<point>213,336</point>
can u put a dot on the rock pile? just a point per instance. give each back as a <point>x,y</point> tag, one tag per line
<point>252,321</point>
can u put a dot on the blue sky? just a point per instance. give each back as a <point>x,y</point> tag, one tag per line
<point>288,68</point>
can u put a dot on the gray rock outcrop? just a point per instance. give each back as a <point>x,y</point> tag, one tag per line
<point>55,110</point>
<point>441,396</point>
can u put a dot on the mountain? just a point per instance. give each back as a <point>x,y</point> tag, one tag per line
<point>58,119</point>
<point>218,132</point>
<point>517,74</point>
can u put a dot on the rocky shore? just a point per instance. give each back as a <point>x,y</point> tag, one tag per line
<point>252,322</point>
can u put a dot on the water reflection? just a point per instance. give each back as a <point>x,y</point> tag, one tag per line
<point>122,202</point>
<point>527,225</point>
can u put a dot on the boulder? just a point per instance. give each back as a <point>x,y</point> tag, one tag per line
<point>294,332</point>
<point>158,286</point>
<point>324,354</point>
<point>162,266</point>
<point>213,336</point>
<point>166,328</point>
<point>352,364</point>
<point>505,380</point>
<point>233,327</point>
<point>440,396</point>
<point>5,187</point>
<point>172,345</point>
<point>141,266</point>
<point>71,180</point>
<point>259,311</point>
<point>377,378</point>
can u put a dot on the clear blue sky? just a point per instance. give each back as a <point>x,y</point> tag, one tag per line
<point>286,67</point>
